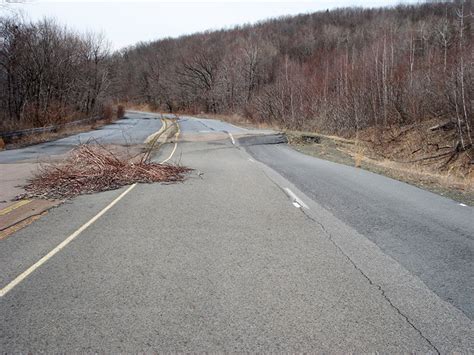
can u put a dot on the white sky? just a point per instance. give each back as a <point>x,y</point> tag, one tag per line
<point>127,22</point>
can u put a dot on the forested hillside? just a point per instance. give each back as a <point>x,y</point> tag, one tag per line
<point>340,72</point>
<point>335,71</point>
<point>49,74</point>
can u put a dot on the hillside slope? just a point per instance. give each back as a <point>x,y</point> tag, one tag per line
<point>338,72</point>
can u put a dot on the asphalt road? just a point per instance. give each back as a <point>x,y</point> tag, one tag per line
<point>133,129</point>
<point>431,236</point>
<point>243,256</point>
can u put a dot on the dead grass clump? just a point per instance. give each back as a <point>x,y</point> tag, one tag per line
<point>358,157</point>
<point>92,168</point>
<point>138,107</point>
<point>120,111</point>
<point>107,113</point>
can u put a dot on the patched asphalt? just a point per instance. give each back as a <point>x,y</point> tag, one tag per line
<point>221,262</point>
<point>134,128</point>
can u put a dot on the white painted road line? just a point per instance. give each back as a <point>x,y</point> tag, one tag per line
<point>462,204</point>
<point>251,160</point>
<point>231,138</point>
<point>69,239</point>
<point>295,199</point>
<point>296,204</point>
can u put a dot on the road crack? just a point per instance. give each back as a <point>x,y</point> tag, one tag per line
<point>382,291</point>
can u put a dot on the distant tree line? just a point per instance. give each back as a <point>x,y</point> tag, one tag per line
<point>335,71</point>
<point>49,74</point>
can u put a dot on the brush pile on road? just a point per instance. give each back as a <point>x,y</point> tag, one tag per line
<point>92,168</point>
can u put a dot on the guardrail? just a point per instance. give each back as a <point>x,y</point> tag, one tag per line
<point>8,136</point>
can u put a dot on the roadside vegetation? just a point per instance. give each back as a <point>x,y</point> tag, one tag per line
<point>363,154</point>
<point>398,81</point>
<point>50,75</point>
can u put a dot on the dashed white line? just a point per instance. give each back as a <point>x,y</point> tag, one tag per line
<point>462,204</point>
<point>58,248</point>
<point>231,138</point>
<point>295,200</point>
<point>296,204</point>
<point>251,160</point>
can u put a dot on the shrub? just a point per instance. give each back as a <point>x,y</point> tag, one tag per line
<point>120,111</point>
<point>107,113</point>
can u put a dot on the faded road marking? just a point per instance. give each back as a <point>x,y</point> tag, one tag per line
<point>231,138</point>
<point>175,144</point>
<point>297,202</point>
<point>14,207</point>
<point>164,127</point>
<point>58,248</point>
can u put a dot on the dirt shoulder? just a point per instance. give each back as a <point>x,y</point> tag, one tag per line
<point>360,154</point>
<point>398,152</point>
<point>28,189</point>
<point>51,136</point>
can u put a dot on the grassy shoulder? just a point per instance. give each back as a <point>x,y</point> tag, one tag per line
<point>109,115</point>
<point>398,153</point>
<point>52,136</point>
<point>352,153</point>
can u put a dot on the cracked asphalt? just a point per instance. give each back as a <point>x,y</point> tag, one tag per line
<point>227,261</point>
<point>134,128</point>
<point>430,235</point>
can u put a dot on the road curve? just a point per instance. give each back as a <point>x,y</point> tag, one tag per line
<point>253,252</point>
<point>134,128</point>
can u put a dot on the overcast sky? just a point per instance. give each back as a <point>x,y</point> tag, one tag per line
<point>127,22</point>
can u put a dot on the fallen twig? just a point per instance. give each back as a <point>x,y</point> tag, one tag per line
<point>92,168</point>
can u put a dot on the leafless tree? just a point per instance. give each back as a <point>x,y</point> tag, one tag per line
<point>48,73</point>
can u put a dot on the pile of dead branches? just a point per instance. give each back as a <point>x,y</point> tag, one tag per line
<point>92,168</point>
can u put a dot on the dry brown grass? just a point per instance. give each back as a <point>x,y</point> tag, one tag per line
<point>54,116</point>
<point>50,136</point>
<point>455,180</point>
<point>417,145</point>
<point>412,172</point>
<point>138,107</point>
<point>120,111</point>
<point>240,120</point>
<point>107,113</point>
<point>358,159</point>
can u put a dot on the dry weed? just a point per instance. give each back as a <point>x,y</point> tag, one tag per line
<point>120,111</point>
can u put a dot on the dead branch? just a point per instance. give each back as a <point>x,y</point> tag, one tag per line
<point>92,168</point>
<point>446,126</point>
